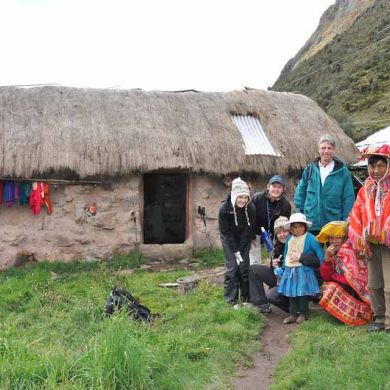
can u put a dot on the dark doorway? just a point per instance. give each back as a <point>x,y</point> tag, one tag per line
<point>165,208</point>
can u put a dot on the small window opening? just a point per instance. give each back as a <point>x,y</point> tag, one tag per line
<point>254,139</point>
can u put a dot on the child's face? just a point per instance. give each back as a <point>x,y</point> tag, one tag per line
<point>298,229</point>
<point>242,200</point>
<point>282,235</point>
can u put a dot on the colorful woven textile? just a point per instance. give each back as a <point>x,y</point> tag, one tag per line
<point>354,270</point>
<point>342,305</point>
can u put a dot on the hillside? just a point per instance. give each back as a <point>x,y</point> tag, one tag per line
<point>345,66</point>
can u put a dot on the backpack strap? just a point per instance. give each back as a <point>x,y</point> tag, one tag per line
<point>309,173</point>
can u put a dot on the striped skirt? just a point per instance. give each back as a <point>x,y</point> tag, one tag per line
<point>342,305</point>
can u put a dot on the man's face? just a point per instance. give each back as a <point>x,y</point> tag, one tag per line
<point>275,190</point>
<point>326,151</point>
<point>377,170</point>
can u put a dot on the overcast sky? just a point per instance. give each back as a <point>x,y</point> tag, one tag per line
<point>209,45</point>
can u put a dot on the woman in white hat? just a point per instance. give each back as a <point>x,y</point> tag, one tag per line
<point>236,223</point>
<point>298,281</point>
<point>260,274</point>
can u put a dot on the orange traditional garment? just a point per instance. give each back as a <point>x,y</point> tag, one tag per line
<point>340,303</point>
<point>46,198</point>
<point>364,222</point>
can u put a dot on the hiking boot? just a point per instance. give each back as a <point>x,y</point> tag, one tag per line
<point>290,320</point>
<point>301,318</point>
<point>373,327</point>
<point>264,308</point>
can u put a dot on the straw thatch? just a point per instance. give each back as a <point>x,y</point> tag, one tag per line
<point>92,132</point>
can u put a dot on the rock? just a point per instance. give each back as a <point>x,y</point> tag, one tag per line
<point>105,221</point>
<point>124,272</point>
<point>184,261</point>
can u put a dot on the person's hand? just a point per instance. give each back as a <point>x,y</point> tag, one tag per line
<point>294,256</point>
<point>239,258</point>
<point>330,253</point>
<point>276,262</point>
<point>254,242</point>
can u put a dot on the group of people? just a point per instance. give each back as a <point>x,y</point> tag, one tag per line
<point>334,249</point>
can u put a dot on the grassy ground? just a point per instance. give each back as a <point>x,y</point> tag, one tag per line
<point>329,355</point>
<point>53,334</point>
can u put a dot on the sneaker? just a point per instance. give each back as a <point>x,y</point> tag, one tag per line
<point>236,306</point>
<point>265,308</point>
<point>373,327</point>
<point>301,318</point>
<point>290,320</point>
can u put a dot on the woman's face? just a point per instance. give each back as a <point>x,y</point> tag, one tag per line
<point>275,190</point>
<point>282,235</point>
<point>298,229</point>
<point>336,241</point>
<point>242,200</point>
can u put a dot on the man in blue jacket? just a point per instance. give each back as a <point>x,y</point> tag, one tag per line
<point>325,192</point>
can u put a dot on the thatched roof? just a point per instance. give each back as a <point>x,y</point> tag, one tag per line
<point>94,132</point>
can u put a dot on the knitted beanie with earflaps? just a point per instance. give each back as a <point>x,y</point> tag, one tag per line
<point>239,188</point>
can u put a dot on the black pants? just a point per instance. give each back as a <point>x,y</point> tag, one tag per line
<point>299,305</point>
<point>258,276</point>
<point>236,282</point>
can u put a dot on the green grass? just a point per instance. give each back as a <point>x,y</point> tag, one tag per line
<point>329,355</point>
<point>53,334</point>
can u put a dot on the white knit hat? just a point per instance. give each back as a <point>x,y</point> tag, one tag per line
<point>239,187</point>
<point>280,224</point>
<point>298,217</point>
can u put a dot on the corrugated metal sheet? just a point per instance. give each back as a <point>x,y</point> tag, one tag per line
<point>255,140</point>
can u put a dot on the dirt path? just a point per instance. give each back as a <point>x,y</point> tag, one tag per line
<point>274,338</point>
<point>274,345</point>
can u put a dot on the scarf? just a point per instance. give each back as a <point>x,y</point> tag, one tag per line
<point>296,244</point>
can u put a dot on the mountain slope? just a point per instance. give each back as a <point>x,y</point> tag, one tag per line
<point>345,66</point>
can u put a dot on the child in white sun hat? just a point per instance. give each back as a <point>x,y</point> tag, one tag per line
<point>298,282</point>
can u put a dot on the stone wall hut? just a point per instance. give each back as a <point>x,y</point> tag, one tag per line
<point>148,160</point>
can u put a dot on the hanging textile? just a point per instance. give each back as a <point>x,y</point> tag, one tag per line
<point>36,197</point>
<point>1,191</point>
<point>24,192</point>
<point>46,198</point>
<point>10,192</point>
